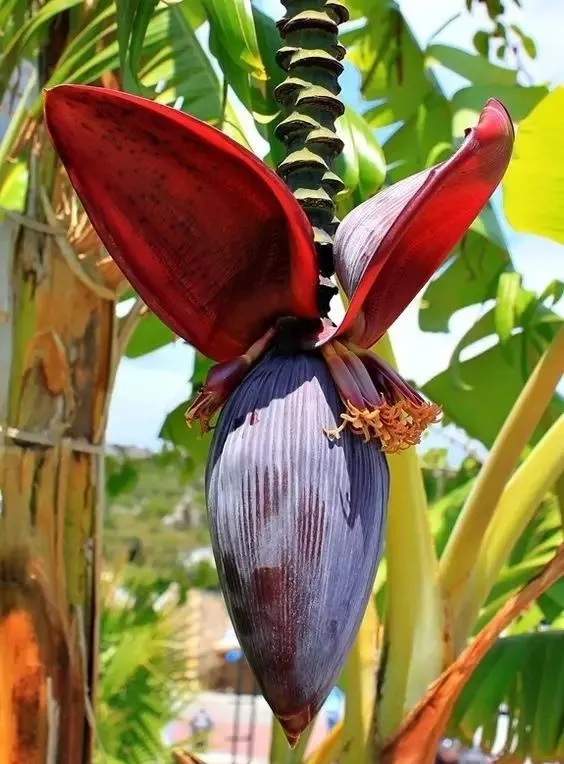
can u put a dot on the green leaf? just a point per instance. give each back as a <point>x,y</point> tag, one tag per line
<point>7,10</point>
<point>552,601</point>
<point>475,69</point>
<point>126,11</point>
<point>469,277</point>
<point>527,42</point>
<point>468,103</point>
<point>233,41</point>
<point>176,431</point>
<point>201,367</point>
<point>232,21</point>
<point>424,139</point>
<point>524,673</point>
<point>122,479</point>
<point>508,291</point>
<point>37,24</point>
<point>150,334</point>
<point>443,514</point>
<point>496,8</point>
<point>538,163</point>
<point>553,292</point>
<point>133,17</point>
<point>13,188</point>
<point>142,662</point>
<point>535,548</point>
<point>493,384</point>
<point>390,61</point>
<point>516,308</point>
<point>361,166</point>
<point>173,55</point>
<point>481,42</point>
<point>195,12</point>
<point>82,48</point>
<point>269,41</point>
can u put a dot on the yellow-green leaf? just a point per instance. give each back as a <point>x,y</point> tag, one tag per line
<point>361,166</point>
<point>534,183</point>
<point>505,313</point>
<point>476,69</point>
<point>233,29</point>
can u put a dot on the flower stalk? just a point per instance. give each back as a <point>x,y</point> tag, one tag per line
<point>311,56</point>
<point>414,627</point>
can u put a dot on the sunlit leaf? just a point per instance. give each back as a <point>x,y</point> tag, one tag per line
<point>233,41</point>
<point>13,189</point>
<point>476,69</point>
<point>133,17</point>
<point>232,21</point>
<point>390,61</point>
<point>508,289</point>
<point>538,163</point>
<point>361,166</point>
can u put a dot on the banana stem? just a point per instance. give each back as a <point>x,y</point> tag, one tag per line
<point>516,507</point>
<point>466,540</point>
<point>415,636</point>
<point>360,672</point>
<point>311,56</point>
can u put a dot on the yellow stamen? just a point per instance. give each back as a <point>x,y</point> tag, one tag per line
<point>397,426</point>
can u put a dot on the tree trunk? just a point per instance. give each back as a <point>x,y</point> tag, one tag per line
<point>62,337</point>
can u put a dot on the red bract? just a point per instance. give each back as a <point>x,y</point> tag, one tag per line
<point>210,238</point>
<point>220,250</point>
<point>390,246</point>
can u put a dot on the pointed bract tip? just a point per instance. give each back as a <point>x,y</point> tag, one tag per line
<point>292,739</point>
<point>57,92</point>
<point>294,725</point>
<point>495,110</point>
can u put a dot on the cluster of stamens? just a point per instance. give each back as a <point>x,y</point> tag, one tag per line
<point>379,404</point>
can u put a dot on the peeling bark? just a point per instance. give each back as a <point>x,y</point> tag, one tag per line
<point>63,339</point>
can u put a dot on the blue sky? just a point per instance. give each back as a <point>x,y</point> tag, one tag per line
<point>149,387</point>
